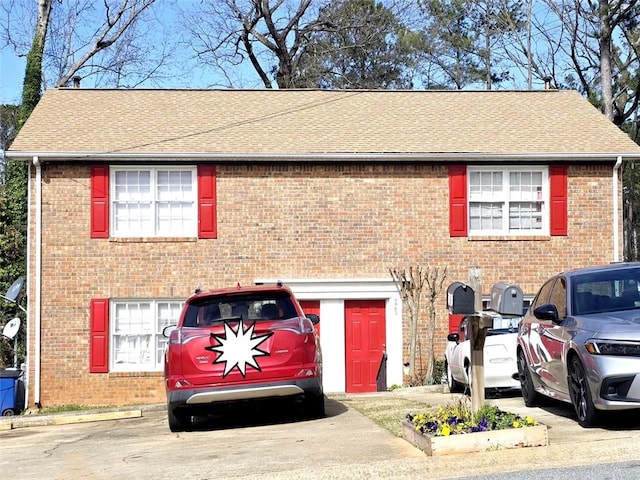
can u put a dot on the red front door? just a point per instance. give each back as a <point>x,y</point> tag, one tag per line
<point>365,343</point>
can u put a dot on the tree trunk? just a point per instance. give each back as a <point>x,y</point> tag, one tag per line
<point>605,59</point>
<point>32,85</point>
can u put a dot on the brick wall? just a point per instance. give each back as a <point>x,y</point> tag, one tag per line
<point>296,221</point>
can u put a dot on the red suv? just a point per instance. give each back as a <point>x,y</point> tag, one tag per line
<point>243,343</point>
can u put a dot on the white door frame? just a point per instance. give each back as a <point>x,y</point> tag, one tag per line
<point>332,293</point>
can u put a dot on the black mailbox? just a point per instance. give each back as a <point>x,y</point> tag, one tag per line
<point>507,299</point>
<point>460,299</point>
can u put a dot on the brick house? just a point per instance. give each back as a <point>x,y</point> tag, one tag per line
<point>137,197</point>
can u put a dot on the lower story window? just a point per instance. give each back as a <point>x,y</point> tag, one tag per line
<point>137,343</point>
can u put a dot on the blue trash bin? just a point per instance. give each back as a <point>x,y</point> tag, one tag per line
<point>11,396</point>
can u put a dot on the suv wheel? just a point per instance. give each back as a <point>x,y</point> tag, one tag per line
<point>314,406</point>
<point>179,420</point>
<point>581,395</point>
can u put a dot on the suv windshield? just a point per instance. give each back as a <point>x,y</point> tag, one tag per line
<point>248,307</point>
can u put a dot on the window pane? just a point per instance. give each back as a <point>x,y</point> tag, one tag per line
<point>175,185</point>
<point>525,186</point>
<point>133,218</point>
<point>174,218</point>
<point>525,216</point>
<point>132,334</point>
<point>132,185</point>
<point>132,351</point>
<point>175,206</point>
<point>133,318</point>
<point>485,185</point>
<point>485,216</point>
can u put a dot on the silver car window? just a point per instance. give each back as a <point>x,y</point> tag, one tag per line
<point>558,296</point>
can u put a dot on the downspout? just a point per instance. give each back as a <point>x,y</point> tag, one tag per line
<point>38,280</point>
<point>616,168</point>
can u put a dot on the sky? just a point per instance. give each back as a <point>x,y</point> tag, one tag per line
<point>12,67</point>
<point>11,77</point>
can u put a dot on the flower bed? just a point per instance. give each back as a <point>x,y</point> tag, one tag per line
<point>455,429</point>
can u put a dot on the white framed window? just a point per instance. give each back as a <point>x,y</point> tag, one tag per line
<point>508,200</point>
<point>136,340</point>
<point>154,202</point>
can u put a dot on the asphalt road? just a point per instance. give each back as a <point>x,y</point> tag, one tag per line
<point>275,443</point>
<point>605,471</point>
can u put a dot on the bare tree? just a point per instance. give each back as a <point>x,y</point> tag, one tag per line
<point>272,35</point>
<point>435,278</point>
<point>588,46</point>
<point>411,282</point>
<point>112,42</point>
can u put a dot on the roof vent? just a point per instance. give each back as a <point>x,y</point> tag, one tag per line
<point>547,82</point>
<point>76,82</point>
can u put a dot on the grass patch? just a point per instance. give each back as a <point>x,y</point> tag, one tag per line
<point>72,407</point>
<point>386,412</point>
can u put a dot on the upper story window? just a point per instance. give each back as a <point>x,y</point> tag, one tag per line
<point>152,202</point>
<point>508,200</point>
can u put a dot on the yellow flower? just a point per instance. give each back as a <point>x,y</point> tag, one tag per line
<point>530,421</point>
<point>446,431</point>
<point>516,424</point>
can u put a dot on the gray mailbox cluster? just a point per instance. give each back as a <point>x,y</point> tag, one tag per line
<point>507,299</point>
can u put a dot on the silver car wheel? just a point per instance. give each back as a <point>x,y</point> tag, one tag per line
<point>580,394</point>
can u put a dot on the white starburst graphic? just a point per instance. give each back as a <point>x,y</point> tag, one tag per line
<point>238,348</point>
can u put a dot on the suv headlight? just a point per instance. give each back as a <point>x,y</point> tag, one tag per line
<point>618,348</point>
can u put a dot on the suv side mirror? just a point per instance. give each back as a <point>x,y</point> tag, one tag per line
<point>315,319</point>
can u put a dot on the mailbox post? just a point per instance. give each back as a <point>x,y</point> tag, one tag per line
<point>506,299</point>
<point>479,324</point>
<point>461,300</point>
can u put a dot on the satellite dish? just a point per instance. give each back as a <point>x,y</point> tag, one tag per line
<point>10,330</point>
<point>13,294</point>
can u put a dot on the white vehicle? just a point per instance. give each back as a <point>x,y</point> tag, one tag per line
<point>500,361</point>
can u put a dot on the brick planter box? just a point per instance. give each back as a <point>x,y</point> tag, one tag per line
<point>535,436</point>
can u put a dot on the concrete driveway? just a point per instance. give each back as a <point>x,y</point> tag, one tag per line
<point>274,444</point>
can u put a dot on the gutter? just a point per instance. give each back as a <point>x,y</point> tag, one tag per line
<point>462,157</point>
<point>37,314</point>
<point>616,168</point>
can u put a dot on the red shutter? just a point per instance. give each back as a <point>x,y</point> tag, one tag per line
<point>99,336</point>
<point>100,201</point>
<point>458,201</point>
<point>558,196</point>
<point>207,223</point>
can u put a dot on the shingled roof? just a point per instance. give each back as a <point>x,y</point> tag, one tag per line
<point>307,124</point>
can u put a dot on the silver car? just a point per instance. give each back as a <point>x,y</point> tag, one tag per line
<point>579,342</point>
